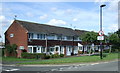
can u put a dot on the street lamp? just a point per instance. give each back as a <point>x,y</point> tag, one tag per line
<point>101,29</point>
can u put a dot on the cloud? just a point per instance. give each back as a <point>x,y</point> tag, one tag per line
<point>4,21</point>
<point>54,9</point>
<point>113,6</point>
<point>75,19</point>
<point>29,14</point>
<point>44,16</point>
<point>69,10</point>
<point>2,17</point>
<point>57,22</point>
<point>113,27</point>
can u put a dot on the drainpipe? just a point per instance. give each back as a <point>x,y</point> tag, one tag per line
<point>60,43</point>
<point>46,43</point>
<point>73,46</point>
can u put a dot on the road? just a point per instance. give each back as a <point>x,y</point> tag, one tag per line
<point>104,66</point>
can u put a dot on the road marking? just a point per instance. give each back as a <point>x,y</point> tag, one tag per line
<point>11,69</point>
<point>106,62</point>
<point>54,70</point>
<point>94,63</point>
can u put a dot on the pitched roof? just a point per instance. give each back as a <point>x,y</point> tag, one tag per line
<point>80,32</point>
<point>48,29</point>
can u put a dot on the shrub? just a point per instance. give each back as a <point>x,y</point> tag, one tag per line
<point>80,52</point>
<point>33,56</point>
<point>61,55</point>
<point>41,55</point>
<point>47,56</point>
<point>55,56</point>
<point>104,55</point>
<point>10,50</point>
<point>106,51</point>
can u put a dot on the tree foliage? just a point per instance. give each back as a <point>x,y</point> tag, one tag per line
<point>89,37</point>
<point>11,48</point>
<point>114,39</point>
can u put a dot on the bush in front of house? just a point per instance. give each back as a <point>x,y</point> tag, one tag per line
<point>61,55</point>
<point>28,55</point>
<point>80,52</point>
<point>55,56</point>
<point>33,55</point>
<point>106,51</point>
<point>10,50</point>
<point>47,56</point>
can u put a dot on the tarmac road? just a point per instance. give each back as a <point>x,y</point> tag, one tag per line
<point>104,66</point>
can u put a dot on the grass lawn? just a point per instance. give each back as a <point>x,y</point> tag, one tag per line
<point>12,59</point>
<point>0,59</point>
<point>80,59</point>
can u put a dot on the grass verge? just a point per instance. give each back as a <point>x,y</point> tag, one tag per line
<point>80,59</point>
<point>13,59</point>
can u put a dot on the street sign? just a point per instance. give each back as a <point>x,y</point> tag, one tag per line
<point>100,38</point>
<point>101,33</point>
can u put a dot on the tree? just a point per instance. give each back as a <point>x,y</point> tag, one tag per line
<point>11,49</point>
<point>90,37</point>
<point>114,40</point>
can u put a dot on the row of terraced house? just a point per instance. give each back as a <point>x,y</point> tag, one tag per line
<point>41,38</point>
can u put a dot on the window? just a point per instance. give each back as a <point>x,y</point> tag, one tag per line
<point>80,48</point>
<point>42,49</point>
<point>52,37</point>
<point>30,35</point>
<point>30,49</point>
<point>11,35</point>
<point>59,37</point>
<point>21,47</point>
<point>42,36</point>
<point>76,38</point>
<point>51,49</point>
<point>38,36</point>
<point>69,37</point>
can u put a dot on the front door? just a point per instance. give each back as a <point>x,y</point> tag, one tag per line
<point>34,49</point>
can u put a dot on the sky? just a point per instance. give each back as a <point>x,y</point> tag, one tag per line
<point>75,15</point>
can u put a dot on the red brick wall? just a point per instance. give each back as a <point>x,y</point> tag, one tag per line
<point>20,36</point>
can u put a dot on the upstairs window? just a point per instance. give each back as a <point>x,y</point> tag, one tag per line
<point>69,37</point>
<point>38,36</point>
<point>51,37</point>
<point>42,36</point>
<point>59,37</point>
<point>30,35</point>
<point>11,35</point>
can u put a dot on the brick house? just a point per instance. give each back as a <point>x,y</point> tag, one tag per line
<point>41,38</point>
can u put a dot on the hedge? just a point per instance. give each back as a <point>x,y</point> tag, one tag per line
<point>39,55</point>
<point>61,55</point>
<point>33,55</point>
<point>55,56</point>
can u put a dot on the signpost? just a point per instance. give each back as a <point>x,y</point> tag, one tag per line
<point>101,33</point>
<point>100,37</point>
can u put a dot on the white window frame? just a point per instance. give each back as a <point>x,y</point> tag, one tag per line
<point>11,35</point>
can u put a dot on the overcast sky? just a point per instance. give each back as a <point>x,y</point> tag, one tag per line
<point>75,15</point>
